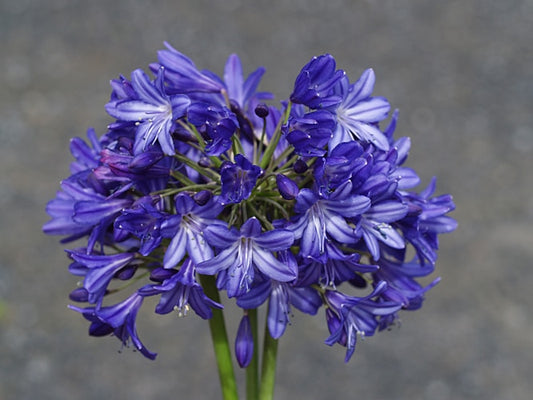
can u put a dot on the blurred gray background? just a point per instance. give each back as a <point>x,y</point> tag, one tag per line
<point>461,74</point>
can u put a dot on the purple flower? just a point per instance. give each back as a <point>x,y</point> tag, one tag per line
<point>100,269</point>
<point>358,113</point>
<point>376,226</point>
<point>426,220</point>
<point>333,267</point>
<point>310,133</point>
<point>183,76</point>
<point>320,218</point>
<point>281,296</point>
<point>218,123</point>
<point>152,110</point>
<point>343,162</point>
<point>238,180</point>
<point>242,252</point>
<point>119,319</point>
<point>238,89</point>
<point>244,342</point>
<point>314,84</point>
<point>80,209</point>
<point>181,291</point>
<point>402,288</point>
<point>349,316</point>
<point>186,228</point>
<point>143,220</point>
<point>86,157</point>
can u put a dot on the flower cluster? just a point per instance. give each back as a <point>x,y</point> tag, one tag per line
<point>301,205</point>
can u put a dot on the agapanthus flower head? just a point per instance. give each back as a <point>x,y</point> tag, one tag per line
<point>199,186</point>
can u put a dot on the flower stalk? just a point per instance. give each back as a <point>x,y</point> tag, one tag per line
<point>221,346</point>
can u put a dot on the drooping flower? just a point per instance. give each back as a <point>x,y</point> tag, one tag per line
<point>100,269</point>
<point>350,316</point>
<point>119,319</point>
<point>181,291</point>
<point>281,296</point>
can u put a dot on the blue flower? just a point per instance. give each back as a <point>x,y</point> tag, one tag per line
<point>358,112</point>
<point>376,226</point>
<point>311,132</point>
<point>119,319</point>
<point>218,123</point>
<point>333,267</point>
<point>349,316</point>
<point>183,76</point>
<point>100,269</point>
<point>143,220</point>
<point>152,110</point>
<point>314,84</point>
<point>321,218</point>
<point>80,209</point>
<point>86,157</point>
<point>238,89</point>
<point>181,291</point>
<point>281,296</point>
<point>402,288</point>
<point>341,163</point>
<point>242,252</point>
<point>238,179</point>
<point>186,229</point>
<point>426,220</point>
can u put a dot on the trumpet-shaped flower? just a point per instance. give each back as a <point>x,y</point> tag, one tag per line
<point>243,253</point>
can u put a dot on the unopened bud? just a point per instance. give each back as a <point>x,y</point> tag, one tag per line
<point>300,166</point>
<point>287,187</point>
<point>202,197</point>
<point>261,110</point>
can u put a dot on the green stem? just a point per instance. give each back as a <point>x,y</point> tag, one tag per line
<point>252,371</point>
<point>268,368</point>
<point>269,151</point>
<point>220,342</point>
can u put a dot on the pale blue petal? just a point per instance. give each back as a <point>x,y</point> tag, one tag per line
<point>272,267</point>
<point>176,249</point>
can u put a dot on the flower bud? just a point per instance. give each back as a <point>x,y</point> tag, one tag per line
<point>202,197</point>
<point>287,187</point>
<point>300,166</point>
<point>261,110</point>
<point>205,162</point>
<point>244,343</point>
<point>126,273</point>
<point>160,274</point>
<point>79,294</point>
